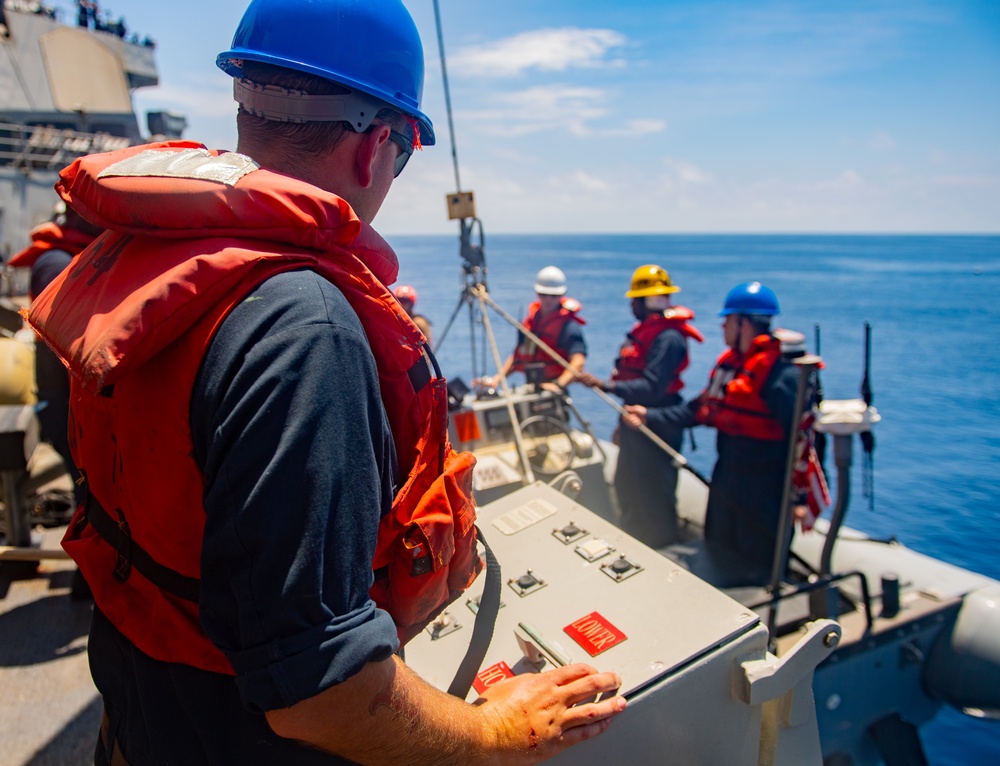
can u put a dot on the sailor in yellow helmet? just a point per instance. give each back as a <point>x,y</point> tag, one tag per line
<point>647,372</point>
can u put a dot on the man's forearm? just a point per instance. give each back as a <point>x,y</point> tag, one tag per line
<point>386,714</point>
<point>676,416</point>
<point>576,363</point>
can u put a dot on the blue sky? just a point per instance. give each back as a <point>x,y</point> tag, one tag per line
<point>670,116</point>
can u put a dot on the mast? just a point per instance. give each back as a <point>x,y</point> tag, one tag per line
<point>462,207</point>
<point>447,95</point>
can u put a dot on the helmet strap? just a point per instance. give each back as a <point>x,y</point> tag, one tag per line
<point>273,102</point>
<point>639,310</point>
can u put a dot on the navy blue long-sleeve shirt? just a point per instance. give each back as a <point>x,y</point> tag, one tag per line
<point>666,353</point>
<point>299,467</point>
<point>778,392</point>
<point>289,431</point>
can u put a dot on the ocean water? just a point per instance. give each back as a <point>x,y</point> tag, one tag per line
<point>935,365</point>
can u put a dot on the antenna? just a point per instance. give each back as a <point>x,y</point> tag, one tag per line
<point>462,208</point>
<point>447,95</point>
<point>866,386</point>
<point>819,437</point>
<point>867,437</point>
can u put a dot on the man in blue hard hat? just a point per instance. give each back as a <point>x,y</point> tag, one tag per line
<point>261,431</point>
<point>750,401</point>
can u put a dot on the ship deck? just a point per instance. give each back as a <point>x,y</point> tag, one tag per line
<point>49,709</point>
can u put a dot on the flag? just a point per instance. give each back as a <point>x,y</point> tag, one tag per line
<point>807,478</point>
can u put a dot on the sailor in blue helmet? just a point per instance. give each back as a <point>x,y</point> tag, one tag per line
<point>750,401</point>
<point>259,421</point>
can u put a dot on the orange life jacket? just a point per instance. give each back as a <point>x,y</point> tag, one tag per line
<point>548,329</point>
<point>132,319</point>
<point>634,354</point>
<point>50,236</point>
<point>732,403</point>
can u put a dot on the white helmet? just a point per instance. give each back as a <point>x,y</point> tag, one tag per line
<point>550,281</point>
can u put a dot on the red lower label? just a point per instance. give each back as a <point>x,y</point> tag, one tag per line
<point>594,633</point>
<point>492,675</point>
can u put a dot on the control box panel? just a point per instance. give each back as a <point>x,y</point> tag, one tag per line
<point>575,588</point>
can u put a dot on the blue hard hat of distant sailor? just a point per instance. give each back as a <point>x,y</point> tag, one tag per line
<point>371,47</point>
<point>751,298</point>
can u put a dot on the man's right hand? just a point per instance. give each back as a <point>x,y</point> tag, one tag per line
<point>635,416</point>
<point>537,715</point>
<point>591,380</point>
<point>386,715</point>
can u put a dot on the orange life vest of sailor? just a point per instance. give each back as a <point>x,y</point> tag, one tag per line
<point>634,354</point>
<point>50,236</point>
<point>129,341</point>
<point>732,403</point>
<point>548,328</point>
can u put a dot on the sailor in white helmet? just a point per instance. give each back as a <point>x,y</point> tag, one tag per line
<point>555,319</point>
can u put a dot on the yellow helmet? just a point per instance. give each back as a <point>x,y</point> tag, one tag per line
<point>651,280</point>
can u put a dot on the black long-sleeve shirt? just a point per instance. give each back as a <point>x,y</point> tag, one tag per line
<point>666,353</point>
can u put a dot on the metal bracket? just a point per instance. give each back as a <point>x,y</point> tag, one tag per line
<point>783,687</point>
<point>773,677</point>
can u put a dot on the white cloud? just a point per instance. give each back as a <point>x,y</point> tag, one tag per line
<point>213,100</point>
<point>542,108</point>
<point>640,127</point>
<point>208,106</point>
<point>688,173</point>
<point>938,156</point>
<point>588,182</point>
<point>550,99</point>
<point>678,196</point>
<point>972,182</point>
<point>847,180</point>
<point>547,50</point>
<point>881,141</point>
<point>580,111</point>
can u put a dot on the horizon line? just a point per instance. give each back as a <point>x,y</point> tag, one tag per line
<point>704,234</point>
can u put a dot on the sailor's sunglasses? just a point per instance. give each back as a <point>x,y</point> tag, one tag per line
<point>405,150</point>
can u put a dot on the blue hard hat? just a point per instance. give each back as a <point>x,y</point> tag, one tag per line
<point>751,298</point>
<point>371,46</point>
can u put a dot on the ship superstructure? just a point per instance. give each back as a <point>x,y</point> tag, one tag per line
<point>65,91</point>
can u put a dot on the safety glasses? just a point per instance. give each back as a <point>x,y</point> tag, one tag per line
<point>405,150</point>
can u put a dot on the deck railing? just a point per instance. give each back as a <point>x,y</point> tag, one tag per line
<point>45,147</point>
